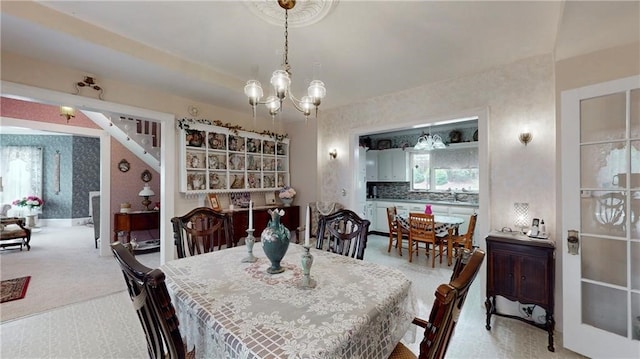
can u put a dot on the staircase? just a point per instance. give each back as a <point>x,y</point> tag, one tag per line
<point>140,136</point>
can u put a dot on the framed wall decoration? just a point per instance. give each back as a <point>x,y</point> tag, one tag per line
<point>270,197</point>
<point>146,176</point>
<point>124,165</point>
<point>213,201</point>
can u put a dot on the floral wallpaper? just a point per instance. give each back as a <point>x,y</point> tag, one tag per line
<point>514,96</point>
<point>79,171</point>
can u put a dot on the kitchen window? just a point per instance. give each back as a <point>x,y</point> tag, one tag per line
<point>453,168</point>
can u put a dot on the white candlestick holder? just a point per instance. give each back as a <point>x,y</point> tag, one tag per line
<point>307,261</point>
<point>250,240</point>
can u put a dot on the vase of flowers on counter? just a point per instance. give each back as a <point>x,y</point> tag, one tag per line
<point>286,195</point>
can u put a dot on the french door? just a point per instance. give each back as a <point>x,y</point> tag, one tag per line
<point>601,201</point>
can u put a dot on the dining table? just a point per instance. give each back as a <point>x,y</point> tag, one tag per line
<point>231,309</point>
<point>444,225</point>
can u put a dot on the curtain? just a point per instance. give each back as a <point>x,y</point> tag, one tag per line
<point>21,172</point>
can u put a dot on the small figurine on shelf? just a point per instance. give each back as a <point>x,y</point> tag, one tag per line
<point>427,209</point>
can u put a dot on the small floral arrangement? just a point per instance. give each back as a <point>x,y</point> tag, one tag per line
<point>287,192</point>
<point>31,202</point>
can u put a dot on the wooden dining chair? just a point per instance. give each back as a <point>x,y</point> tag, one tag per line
<point>449,299</point>
<point>344,233</point>
<point>397,233</point>
<point>422,230</point>
<point>455,242</point>
<point>151,300</point>
<point>201,231</point>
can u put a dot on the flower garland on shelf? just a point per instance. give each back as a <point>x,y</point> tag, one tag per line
<point>185,123</point>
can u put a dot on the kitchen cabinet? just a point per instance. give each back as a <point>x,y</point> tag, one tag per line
<point>370,214</point>
<point>392,165</point>
<point>372,166</point>
<point>382,224</point>
<point>523,270</point>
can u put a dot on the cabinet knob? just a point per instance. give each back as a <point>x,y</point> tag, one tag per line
<point>523,277</point>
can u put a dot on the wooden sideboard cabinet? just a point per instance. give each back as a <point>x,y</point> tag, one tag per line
<point>522,270</point>
<point>240,220</point>
<point>135,221</point>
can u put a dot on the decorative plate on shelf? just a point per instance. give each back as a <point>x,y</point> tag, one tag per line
<point>384,144</point>
<point>455,136</point>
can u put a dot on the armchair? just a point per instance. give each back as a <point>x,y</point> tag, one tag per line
<point>14,233</point>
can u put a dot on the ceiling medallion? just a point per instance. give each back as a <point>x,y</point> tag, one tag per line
<point>306,12</point>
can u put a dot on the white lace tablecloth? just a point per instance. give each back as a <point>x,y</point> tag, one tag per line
<point>229,309</point>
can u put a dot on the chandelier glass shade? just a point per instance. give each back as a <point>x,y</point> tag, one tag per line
<point>429,142</point>
<point>281,83</point>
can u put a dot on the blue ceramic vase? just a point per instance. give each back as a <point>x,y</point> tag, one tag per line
<point>275,241</point>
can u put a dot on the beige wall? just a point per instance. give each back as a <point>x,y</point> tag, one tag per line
<point>516,96</point>
<point>41,74</point>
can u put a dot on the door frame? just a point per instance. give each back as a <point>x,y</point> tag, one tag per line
<point>168,155</point>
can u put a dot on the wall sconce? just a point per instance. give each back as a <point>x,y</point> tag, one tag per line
<point>67,112</point>
<point>333,154</point>
<point>146,193</point>
<point>525,137</point>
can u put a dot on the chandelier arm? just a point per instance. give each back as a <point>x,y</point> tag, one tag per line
<point>294,101</point>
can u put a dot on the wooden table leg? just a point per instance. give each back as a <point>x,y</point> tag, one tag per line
<point>449,246</point>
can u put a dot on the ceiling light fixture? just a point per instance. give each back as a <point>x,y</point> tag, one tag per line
<point>429,142</point>
<point>281,81</point>
<point>89,82</point>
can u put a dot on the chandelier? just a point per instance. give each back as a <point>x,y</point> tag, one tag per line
<point>281,81</point>
<point>429,142</point>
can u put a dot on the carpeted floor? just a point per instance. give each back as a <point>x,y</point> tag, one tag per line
<point>13,289</point>
<point>65,268</point>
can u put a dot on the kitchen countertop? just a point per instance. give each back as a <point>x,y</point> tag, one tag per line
<point>423,201</point>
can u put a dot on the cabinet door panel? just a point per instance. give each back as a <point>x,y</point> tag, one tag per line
<point>382,224</point>
<point>532,277</point>
<point>502,270</point>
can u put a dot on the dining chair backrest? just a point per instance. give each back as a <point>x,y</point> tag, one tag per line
<point>447,306</point>
<point>152,303</point>
<point>392,212</point>
<point>345,233</point>
<point>318,209</point>
<point>466,240</point>
<point>422,229</point>
<point>422,226</point>
<point>397,232</point>
<point>445,312</point>
<point>201,231</point>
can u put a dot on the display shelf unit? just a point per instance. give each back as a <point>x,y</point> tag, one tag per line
<point>220,160</point>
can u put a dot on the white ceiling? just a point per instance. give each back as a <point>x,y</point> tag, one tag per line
<point>207,50</point>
